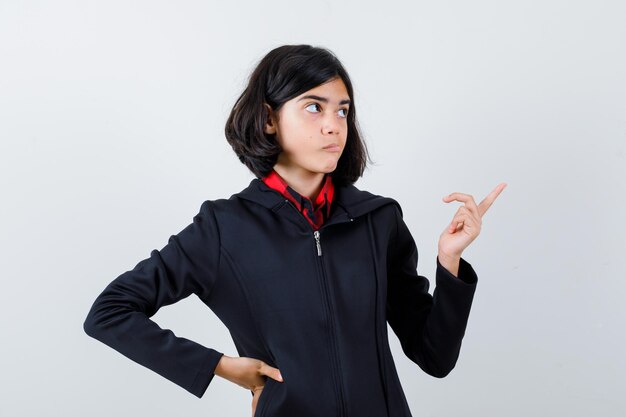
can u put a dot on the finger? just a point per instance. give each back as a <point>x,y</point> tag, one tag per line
<point>272,372</point>
<point>255,398</point>
<point>463,220</point>
<point>491,197</point>
<point>456,222</point>
<point>255,404</point>
<point>465,210</point>
<point>454,226</point>
<point>465,198</point>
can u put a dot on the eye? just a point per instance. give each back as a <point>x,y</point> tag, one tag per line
<point>345,112</point>
<point>312,104</point>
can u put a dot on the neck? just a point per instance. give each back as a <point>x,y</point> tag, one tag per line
<point>306,183</point>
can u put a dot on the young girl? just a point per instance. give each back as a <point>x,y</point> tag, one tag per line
<point>303,268</point>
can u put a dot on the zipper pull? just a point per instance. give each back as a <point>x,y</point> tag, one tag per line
<point>316,234</point>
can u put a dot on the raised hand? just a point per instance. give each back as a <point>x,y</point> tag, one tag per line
<point>465,226</point>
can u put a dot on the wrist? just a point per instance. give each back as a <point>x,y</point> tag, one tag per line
<point>448,256</point>
<point>222,366</point>
<point>450,262</point>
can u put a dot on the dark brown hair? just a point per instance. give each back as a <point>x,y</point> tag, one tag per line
<point>284,73</point>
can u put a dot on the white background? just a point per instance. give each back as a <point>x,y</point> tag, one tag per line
<point>111,126</point>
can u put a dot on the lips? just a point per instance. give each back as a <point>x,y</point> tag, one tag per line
<point>331,147</point>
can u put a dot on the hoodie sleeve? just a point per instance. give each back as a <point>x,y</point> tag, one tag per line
<point>430,328</point>
<point>120,315</point>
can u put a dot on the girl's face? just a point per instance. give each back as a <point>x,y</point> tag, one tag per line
<point>308,124</point>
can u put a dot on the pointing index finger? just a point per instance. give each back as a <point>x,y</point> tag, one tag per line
<point>491,197</point>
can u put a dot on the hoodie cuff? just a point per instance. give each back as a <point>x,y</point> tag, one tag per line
<point>206,373</point>
<point>467,276</point>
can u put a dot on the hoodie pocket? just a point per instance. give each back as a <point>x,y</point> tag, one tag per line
<point>264,398</point>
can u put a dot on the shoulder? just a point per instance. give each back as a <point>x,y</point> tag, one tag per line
<point>360,201</point>
<point>219,208</point>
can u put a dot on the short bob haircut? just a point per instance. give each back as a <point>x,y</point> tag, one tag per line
<point>284,73</point>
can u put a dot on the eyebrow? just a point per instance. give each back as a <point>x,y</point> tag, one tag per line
<point>322,99</point>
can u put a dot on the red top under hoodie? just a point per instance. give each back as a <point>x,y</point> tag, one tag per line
<point>315,212</point>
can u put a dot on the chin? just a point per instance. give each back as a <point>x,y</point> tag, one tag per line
<point>328,170</point>
<point>330,167</point>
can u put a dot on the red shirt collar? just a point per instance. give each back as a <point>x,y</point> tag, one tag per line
<point>317,211</point>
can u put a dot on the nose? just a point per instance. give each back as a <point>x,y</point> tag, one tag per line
<point>331,124</point>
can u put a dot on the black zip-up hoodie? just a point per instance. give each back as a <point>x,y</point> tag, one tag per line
<point>319,315</point>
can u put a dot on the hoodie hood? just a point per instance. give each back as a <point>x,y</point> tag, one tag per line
<point>348,199</point>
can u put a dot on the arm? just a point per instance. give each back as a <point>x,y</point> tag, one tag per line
<point>430,328</point>
<point>120,315</point>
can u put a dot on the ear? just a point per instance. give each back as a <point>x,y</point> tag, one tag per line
<point>270,124</point>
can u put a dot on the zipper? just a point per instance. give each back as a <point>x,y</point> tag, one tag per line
<point>316,234</point>
<point>336,359</point>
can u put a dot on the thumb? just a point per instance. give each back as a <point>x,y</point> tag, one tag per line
<point>272,372</point>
